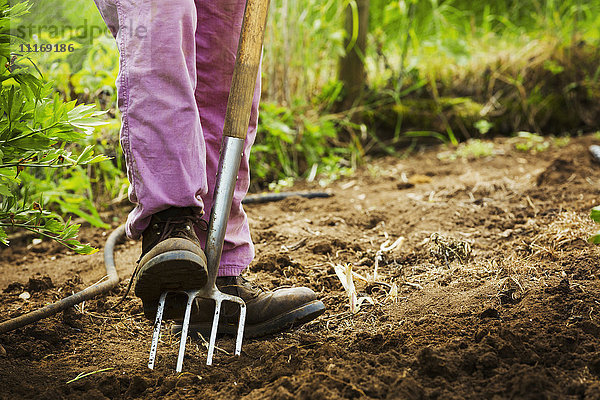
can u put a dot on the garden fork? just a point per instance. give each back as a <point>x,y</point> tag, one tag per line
<point>237,120</point>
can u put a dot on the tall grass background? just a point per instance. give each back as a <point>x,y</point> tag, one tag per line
<point>437,69</point>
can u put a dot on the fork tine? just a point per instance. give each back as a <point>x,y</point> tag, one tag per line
<point>184,331</point>
<point>213,332</point>
<point>240,332</point>
<point>156,333</point>
<point>218,297</point>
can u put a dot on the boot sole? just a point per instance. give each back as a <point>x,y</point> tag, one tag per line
<point>175,270</point>
<point>290,319</point>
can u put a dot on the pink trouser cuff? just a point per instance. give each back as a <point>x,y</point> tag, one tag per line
<point>230,270</point>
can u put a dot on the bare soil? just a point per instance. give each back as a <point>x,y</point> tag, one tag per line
<point>494,293</point>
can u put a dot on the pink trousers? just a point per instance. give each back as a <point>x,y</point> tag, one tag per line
<point>176,64</point>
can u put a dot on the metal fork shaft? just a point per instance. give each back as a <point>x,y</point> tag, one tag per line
<point>229,164</point>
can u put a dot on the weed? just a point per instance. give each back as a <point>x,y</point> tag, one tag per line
<point>561,141</point>
<point>527,141</point>
<point>471,149</point>
<point>483,126</point>
<point>294,143</point>
<point>475,148</point>
<point>595,216</point>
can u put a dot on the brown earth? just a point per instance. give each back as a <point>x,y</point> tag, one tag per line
<point>494,293</point>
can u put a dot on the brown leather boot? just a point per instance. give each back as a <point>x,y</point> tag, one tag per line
<point>266,312</point>
<point>172,259</point>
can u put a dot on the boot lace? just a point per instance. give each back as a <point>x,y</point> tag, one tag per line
<point>175,227</point>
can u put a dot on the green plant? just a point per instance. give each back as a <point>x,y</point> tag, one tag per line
<point>86,75</point>
<point>37,130</point>
<point>561,141</point>
<point>595,216</point>
<point>527,141</point>
<point>483,126</point>
<point>475,148</point>
<point>471,149</point>
<point>80,190</point>
<point>293,143</point>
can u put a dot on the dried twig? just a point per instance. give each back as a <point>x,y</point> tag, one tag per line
<point>84,374</point>
<point>385,247</point>
<point>346,276</point>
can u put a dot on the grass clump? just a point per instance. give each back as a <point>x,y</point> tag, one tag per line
<point>531,142</point>
<point>475,148</point>
<point>471,149</point>
<point>534,143</point>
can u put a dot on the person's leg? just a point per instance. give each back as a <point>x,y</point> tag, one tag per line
<point>162,141</point>
<point>167,164</point>
<point>217,35</point>
<point>161,134</point>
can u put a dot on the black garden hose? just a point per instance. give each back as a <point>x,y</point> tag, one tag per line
<point>269,197</point>
<point>85,294</point>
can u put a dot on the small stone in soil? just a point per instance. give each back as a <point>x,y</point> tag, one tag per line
<point>490,313</point>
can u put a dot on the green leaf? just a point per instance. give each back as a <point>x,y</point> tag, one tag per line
<point>595,239</point>
<point>87,122</point>
<point>92,217</point>
<point>33,143</point>
<point>595,214</point>
<point>96,159</point>
<point>5,191</point>
<point>53,226</point>
<point>19,9</point>
<point>3,236</point>
<point>85,154</point>
<point>80,111</point>
<point>84,249</point>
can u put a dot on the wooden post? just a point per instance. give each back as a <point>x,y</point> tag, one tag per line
<point>352,71</point>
